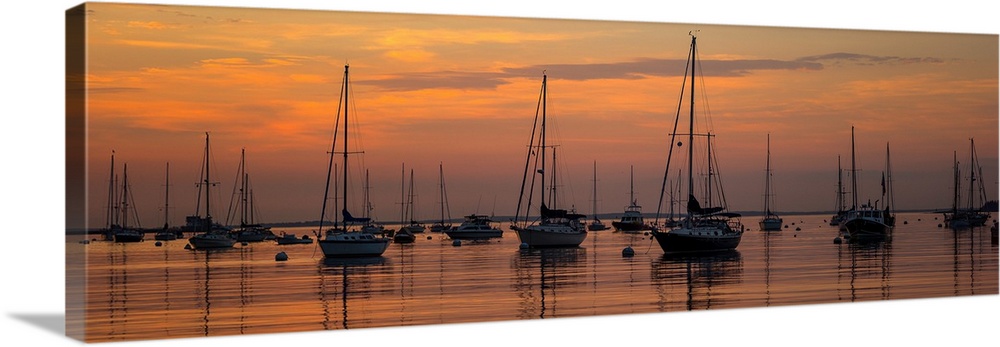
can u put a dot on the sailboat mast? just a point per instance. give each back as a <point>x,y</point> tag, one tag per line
<point>631,185</point>
<point>767,179</point>
<point>208,211</point>
<point>124,200</point>
<point>243,188</point>
<point>840,186</point>
<point>441,183</point>
<point>854,173</point>
<point>111,192</point>
<point>972,173</point>
<point>544,100</point>
<point>166,199</point>
<point>708,182</point>
<point>690,173</point>
<point>402,194</point>
<point>346,104</point>
<point>595,190</point>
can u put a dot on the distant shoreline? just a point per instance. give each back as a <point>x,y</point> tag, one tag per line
<point>606,216</point>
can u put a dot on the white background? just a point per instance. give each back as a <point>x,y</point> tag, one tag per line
<point>32,194</point>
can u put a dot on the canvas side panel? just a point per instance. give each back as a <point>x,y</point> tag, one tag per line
<point>76,191</point>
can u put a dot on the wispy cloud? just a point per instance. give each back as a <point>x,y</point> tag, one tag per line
<point>864,59</point>
<point>632,70</point>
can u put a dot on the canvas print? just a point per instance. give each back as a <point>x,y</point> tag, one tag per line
<point>246,171</point>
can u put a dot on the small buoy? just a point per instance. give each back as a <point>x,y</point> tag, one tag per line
<point>281,256</point>
<point>428,237</point>
<point>906,222</point>
<point>244,243</point>
<point>158,244</point>
<point>939,225</point>
<point>793,223</point>
<point>85,242</point>
<point>798,229</point>
<point>524,245</point>
<point>680,143</point>
<point>786,226</point>
<point>93,240</point>
<point>646,233</point>
<point>837,240</point>
<point>628,252</point>
<point>187,246</point>
<point>456,243</point>
<point>918,219</point>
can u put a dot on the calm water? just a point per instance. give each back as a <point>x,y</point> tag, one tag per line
<point>140,291</point>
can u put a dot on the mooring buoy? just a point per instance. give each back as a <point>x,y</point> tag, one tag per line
<point>838,240</point>
<point>524,245</point>
<point>628,252</point>
<point>456,243</point>
<point>158,244</point>
<point>281,256</point>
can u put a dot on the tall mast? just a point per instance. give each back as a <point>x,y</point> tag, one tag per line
<point>243,188</point>
<point>767,179</point>
<point>544,100</point>
<point>124,199</point>
<point>595,190</point>
<point>972,173</point>
<point>402,194</point>
<point>111,192</point>
<point>690,173</point>
<point>441,183</point>
<point>409,202</point>
<point>631,185</point>
<point>166,200</point>
<point>708,183</point>
<point>208,184</point>
<point>840,187</point>
<point>854,173</point>
<point>346,104</point>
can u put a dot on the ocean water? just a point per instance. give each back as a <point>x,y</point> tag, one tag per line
<point>141,291</point>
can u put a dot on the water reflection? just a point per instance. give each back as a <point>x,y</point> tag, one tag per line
<point>541,273</point>
<point>355,287</point>
<point>869,267</point>
<point>699,275</point>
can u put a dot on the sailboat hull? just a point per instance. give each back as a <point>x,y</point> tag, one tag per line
<point>205,241</point>
<point>632,227</point>
<point>129,236</point>
<point>354,248</point>
<point>770,224</point>
<point>686,240</point>
<point>539,236</point>
<point>862,227</point>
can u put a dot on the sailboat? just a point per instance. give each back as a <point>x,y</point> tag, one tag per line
<point>596,224</point>
<point>973,214</point>
<point>702,229</point>
<point>124,232</point>
<point>414,227</point>
<point>443,224</point>
<point>248,230</point>
<point>371,226</point>
<point>210,234</point>
<point>838,217</point>
<point>166,234</point>
<point>868,220</point>
<point>554,227</point>
<point>341,240</point>
<point>404,235</point>
<point>631,221</point>
<point>771,221</point>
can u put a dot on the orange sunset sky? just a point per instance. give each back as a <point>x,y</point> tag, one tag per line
<point>462,91</point>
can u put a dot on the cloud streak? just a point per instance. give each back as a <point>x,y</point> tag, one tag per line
<point>631,70</point>
<point>864,59</point>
